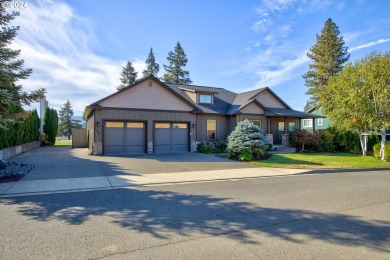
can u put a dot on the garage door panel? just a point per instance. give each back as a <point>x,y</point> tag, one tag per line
<point>170,137</point>
<point>124,137</point>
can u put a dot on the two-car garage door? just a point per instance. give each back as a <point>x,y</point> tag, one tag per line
<point>123,138</point>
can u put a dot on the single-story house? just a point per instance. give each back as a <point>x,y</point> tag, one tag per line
<point>155,117</point>
<point>315,123</point>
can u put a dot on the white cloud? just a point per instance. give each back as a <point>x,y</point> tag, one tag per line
<point>58,45</point>
<point>366,45</point>
<point>262,25</point>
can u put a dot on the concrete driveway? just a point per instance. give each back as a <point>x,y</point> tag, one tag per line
<point>65,162</point>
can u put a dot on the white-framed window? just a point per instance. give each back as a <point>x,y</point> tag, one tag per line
<point>320,121</point>
<point>211,129</point>
<point>307,122</point>
<point>205,98</point>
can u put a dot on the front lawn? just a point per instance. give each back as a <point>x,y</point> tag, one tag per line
<point>322,161</point>
<point>63,143</point>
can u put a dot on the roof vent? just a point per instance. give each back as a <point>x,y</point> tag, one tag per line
<point>150,84</point>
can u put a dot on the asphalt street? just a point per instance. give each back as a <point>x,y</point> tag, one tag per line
<point>339,215</point>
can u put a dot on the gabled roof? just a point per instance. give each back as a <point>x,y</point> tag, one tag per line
<point>88,110</point>
<point>223,98</point>
<point>225,102</point>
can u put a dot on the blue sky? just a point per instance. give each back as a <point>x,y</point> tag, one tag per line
<point>77,48</point>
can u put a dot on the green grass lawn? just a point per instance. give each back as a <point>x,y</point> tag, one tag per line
<point>63,143</point>
<point>322,161</point>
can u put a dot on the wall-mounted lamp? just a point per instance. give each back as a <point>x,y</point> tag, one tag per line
<point>193,125</point>
<point>98,124</point>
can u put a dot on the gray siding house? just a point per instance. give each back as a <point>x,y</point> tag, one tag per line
<point>156,117</point>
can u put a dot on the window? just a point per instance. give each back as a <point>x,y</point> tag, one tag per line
<point>205,98</point>
<point>307,122</point>
<point>115,124</point>
<point>163,125</point>
<point>281,126</point>
<point>135,125</point>
<point>256,122</point>
<point>211,129</point>
<point>179,125</point>
<point>320,122</point>
<point>291,126</point>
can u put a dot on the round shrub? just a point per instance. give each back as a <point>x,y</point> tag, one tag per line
<point>377,149</point>
<point>246,139</point>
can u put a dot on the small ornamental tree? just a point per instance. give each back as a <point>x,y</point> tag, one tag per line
<point>302,138</point>
<point>247,141</point>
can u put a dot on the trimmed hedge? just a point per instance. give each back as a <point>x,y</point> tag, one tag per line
<point>23,130</point>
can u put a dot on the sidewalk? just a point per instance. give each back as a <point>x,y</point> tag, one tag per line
<point>51,186</point>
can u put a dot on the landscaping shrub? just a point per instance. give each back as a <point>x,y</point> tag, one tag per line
<point>246,141</point>
<point>387,151</point>
<point>212,146</point>
<point>245,156</point>
<point>347,141</point>
<point>377,149</point>
<point>305,141</point>
<point>205,148</point>
<point>22,130</point>
<point>327,141</point>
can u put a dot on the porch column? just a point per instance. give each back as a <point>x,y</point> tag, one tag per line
<point>285,140</point>
<point>269,136</point>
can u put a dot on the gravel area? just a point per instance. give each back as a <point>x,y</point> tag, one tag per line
<point>12,171</point>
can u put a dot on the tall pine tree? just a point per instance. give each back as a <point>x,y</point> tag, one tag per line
<point>175,72</point>
<point>129,76</point>
<point>152,67</point>
<point>328,57</point>
<point>65,125</point>
<point>11,70</point>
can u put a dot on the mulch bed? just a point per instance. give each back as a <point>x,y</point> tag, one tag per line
<point>11,178</point>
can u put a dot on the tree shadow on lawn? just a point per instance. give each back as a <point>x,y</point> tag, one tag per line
<point>164,214</point>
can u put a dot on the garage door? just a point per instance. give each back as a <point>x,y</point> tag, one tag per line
<point>171,137</point>
<point>124,137</point>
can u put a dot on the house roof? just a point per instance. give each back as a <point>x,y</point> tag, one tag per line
<point>223,98</point>
<point>225,102</point>
<point>273,111</point>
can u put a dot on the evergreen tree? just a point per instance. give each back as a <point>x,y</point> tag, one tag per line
<point>65,125</point>
<point>152,68</point>
<point>129,76</point>
<point>175,72</point>
<point>50,126</point>
<point>328,57</point>
<point>11,70</point>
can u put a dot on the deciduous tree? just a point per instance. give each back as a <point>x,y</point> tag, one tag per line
<point>359,97</point>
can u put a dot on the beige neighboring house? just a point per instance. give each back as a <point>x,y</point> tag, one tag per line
<point>156,117</point>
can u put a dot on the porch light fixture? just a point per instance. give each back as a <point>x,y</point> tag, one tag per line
<point>193,125</point>
<point>98,124</point>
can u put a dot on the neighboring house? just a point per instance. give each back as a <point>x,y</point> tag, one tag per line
<point>154,117</point>
<point>315,123</point>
